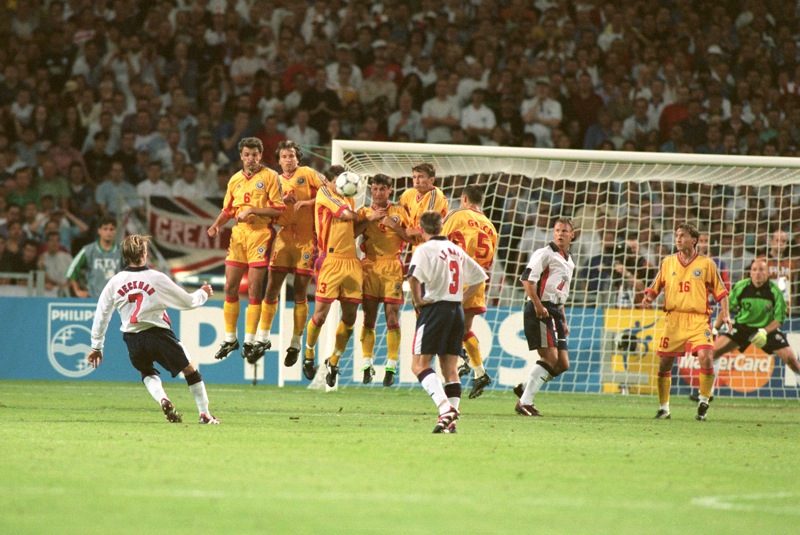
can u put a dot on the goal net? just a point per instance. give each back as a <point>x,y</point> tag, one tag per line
<point>625,207</point>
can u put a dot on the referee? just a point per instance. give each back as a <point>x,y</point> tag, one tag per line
<point>441,276</point>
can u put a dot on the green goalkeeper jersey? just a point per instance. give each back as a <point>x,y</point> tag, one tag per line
<point>757,307</point>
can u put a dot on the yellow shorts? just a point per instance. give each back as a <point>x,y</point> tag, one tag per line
<point>250,244</point>
<point>383,280</point>
<point>339,278</point>
<point>684,331</point>
<point>477,302</point>
<point>293,253</point>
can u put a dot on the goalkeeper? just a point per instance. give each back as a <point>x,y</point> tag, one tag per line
<point>760,311</point>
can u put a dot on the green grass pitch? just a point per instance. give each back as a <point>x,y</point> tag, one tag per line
<point>101,458</point>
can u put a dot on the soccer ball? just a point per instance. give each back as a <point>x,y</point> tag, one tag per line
<point>347,184</point>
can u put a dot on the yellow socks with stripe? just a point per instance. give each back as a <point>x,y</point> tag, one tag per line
<point>474,353</point>
<point>368,341</point>
<point>230,313</point>
<point>252,315</point>
<point>268,311</point>
<point>312,335</point>
<point>706,383</point>
<point>392,345</point>
<point>664,385</point>
<point>343,334</point>
<point>300,317</point>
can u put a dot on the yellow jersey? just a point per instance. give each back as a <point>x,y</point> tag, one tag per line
<point>259,190</point>
<point>473,232</point>
<point>304,183</point>
<point>379,240</point>
<point>687,285</point>
<point>417,204</point>
<point>334,236</point>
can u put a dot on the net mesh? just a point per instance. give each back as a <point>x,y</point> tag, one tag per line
<point>625,207</point>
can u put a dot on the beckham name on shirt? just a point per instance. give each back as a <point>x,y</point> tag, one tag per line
<point>135,285</point>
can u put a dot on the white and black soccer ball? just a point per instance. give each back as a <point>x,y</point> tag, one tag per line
<point>347,184</point>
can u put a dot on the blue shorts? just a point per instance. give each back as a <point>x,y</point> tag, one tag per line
<point>156,345</point>
<point>546,332</point>
<point>440,329</point>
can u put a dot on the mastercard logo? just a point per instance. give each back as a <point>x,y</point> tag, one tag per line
<point>741,372</point>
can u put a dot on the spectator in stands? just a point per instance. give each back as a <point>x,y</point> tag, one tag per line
<point>477,119</point>
<point>55,261</point>
<point>96,159</point>
<point>155,184</point>
<point>28,146</point>
<point>541,114</point>
<point>694,127</point>
<point>51,183</point>
<point>321,102</point>
<point>187,186</point>
<point>636,127</point>
<point>585,103</point>
<point>301,131</point>
<point>64,153</point>
<point>22,190</point>
<point>115,195</point>
<point>599,131</point>
<point>406,120</point>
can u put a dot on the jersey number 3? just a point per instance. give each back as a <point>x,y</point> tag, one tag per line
<point>456,279</point>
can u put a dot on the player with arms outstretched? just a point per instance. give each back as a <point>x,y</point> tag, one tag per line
<point>339,274</point>
<point>294,250</point>
<point>423,197</point>
<point>383,226</point>
<point>141,296</point>
<point>471,230</point>
<point>687,279</point>
<point>253,200</point>
<point>441,276</point>
<point>760,311</point>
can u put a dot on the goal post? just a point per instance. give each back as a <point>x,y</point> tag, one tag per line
<point>625,206</point>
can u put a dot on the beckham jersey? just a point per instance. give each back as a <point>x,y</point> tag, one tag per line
<point>552,271</point>
<point>757,307</point>
<point>141,296</point>
<point>259,190</point>
<point>379,240</point>
<point>304,183</point>
<point>416,204</point>
<point>473,232</point>
<point>444,269</point>
<point>687,286</point>
<point>334,236</point>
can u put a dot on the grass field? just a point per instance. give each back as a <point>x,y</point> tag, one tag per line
<point>101,458</point>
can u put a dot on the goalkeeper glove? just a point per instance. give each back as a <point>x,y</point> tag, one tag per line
<point>759,339</point>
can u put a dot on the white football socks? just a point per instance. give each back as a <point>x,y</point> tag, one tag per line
<point>154,386</point>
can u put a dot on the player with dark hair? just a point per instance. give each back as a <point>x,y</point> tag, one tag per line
<point>383,225</point>
<point>546,280</point>
<point>423,197</point>
<point>96,262</point>
<point>760,312</point>
<point>441,276</point>
<point>142,296</point>
<point>687,279</point>
<point>294,250</point>
<point>253,200</point>
<point>471,230</point>
<point>339,275</point>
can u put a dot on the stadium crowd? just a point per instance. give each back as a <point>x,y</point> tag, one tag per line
<point>105,103</point>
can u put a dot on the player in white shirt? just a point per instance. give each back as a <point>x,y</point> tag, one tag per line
<point>546,280</point>
<point>141,296</point>
<point>441,276</point>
